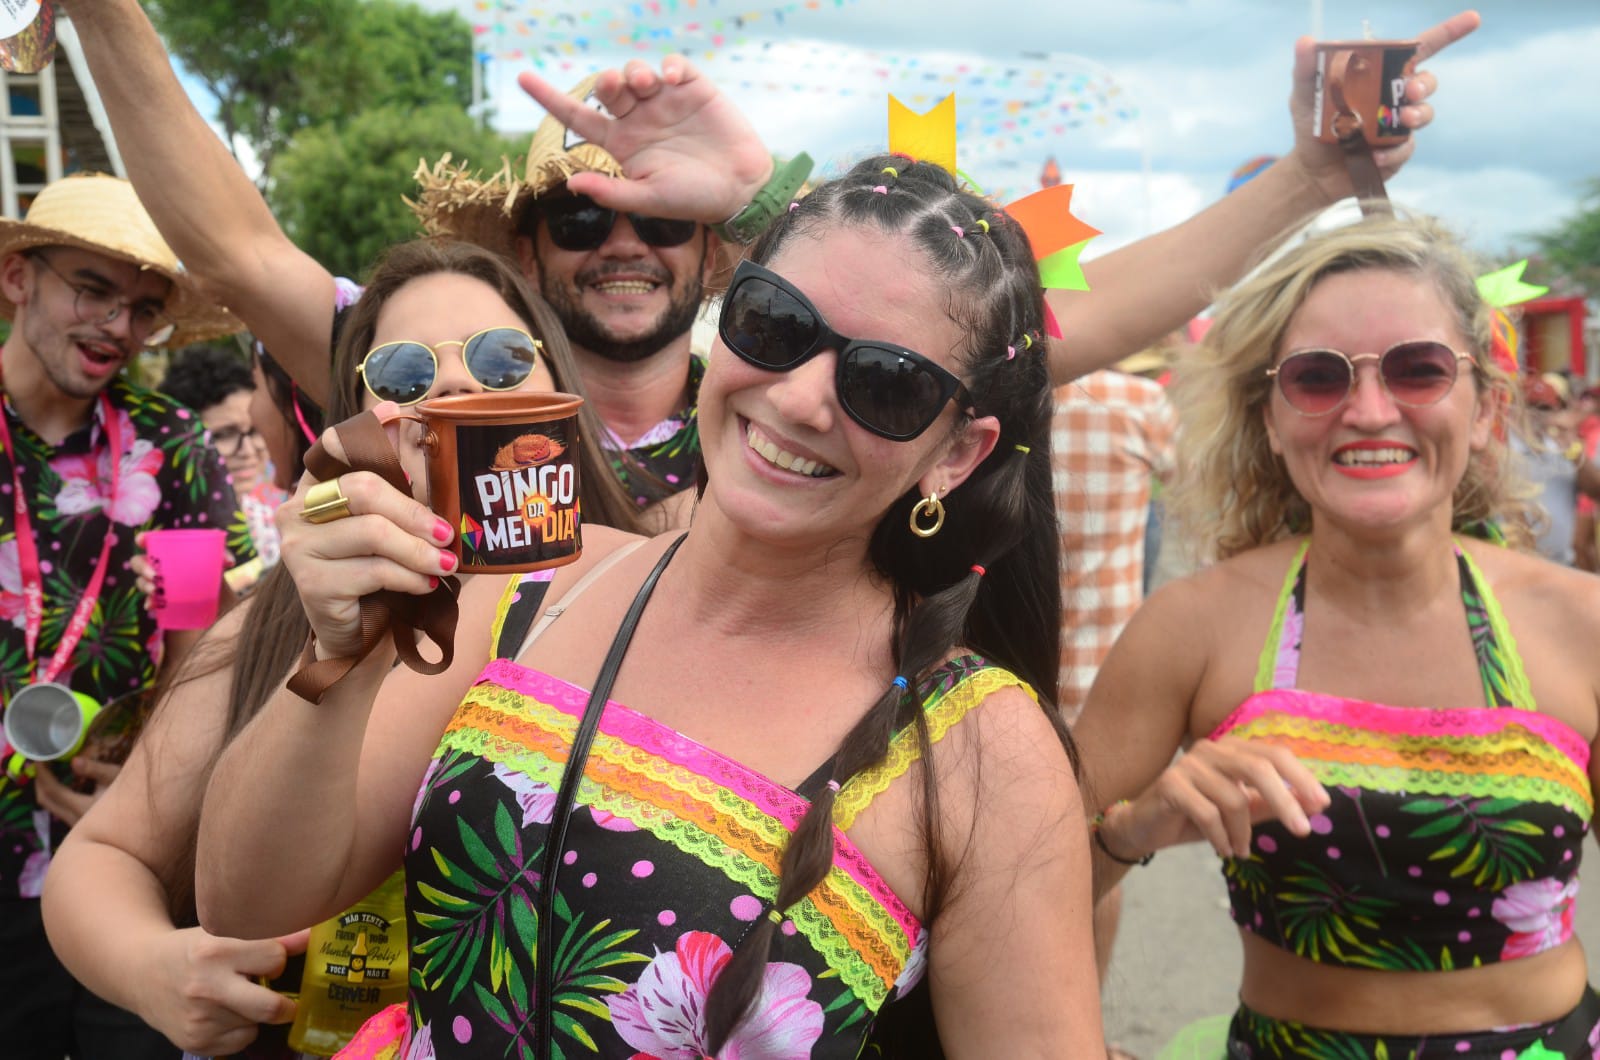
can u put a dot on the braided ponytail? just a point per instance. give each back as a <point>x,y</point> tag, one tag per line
<point>989,580</point>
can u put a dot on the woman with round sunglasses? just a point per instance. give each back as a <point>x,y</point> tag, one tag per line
<point>819,799</point>
<point>119,904</point>
<point>1387,713</point>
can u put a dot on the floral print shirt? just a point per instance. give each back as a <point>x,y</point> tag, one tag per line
<point>669,453</point>
<point>169,477</point>
<point>1454,834</point>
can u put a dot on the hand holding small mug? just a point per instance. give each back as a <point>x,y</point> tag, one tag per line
<point>502,475</point>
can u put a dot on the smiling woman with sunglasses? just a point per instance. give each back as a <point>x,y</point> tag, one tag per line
<point>1388,736</point>
<point>828,794</point>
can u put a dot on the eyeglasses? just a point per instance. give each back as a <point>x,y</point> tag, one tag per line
<point>577,222</point>
<point>94,304</point>
<point>404,372</point>
<point>888,389</point>
<point>228,441</point>
<point>1416,374</point>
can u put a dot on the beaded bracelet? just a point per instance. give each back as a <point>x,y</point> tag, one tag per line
<point>1100,840</point>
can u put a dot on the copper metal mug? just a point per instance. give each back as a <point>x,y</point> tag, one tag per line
<point>1361,85</point>
<point>503,471</point>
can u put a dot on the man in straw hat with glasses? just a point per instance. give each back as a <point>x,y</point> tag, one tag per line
<point>90,461</point>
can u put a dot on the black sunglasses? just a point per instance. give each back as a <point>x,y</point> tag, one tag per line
<point>891,391</point>
<point>404,372</point>
<point>577,222</point>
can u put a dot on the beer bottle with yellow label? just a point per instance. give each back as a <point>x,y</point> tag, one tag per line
<point>356,965</point>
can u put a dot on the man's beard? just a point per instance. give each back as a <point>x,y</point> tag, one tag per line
<point>585,331</point>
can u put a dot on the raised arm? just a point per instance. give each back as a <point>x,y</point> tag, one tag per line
<point>208,211</point>
<point>1150,288</point>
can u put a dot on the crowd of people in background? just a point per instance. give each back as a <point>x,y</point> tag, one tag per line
<point>925,604</point>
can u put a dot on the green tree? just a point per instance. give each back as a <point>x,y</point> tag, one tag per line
<point>338,190</point>
<point>279,67</point>
<point>1571,250</point>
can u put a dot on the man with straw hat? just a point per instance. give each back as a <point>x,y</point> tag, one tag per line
<point>90,461</point>
<point>627,286</point>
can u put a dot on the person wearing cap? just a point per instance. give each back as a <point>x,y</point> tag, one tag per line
<point>687,154</point>
<point>90,461</point>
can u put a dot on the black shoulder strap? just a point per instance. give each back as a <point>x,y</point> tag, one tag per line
<point>571,776</point>
<point>520,616</point>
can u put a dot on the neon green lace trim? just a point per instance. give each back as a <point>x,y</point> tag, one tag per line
<point>943,710</point>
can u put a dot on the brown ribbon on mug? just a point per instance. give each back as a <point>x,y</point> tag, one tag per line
<point>401,615</point>
<point>1358,161</point>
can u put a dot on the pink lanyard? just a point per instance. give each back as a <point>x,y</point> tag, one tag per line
<point>28,553</point>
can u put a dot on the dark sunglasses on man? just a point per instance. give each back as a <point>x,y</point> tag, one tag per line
<point>577,222</point>
<point>893,392</point>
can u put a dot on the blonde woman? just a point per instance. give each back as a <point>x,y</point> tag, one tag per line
<point>1388,739</point>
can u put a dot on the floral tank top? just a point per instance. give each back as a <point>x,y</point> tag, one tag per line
<point>1454,834</point>
<point>671,858</point>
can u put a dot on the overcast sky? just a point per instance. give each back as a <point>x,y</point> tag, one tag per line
<point>1517,131</point>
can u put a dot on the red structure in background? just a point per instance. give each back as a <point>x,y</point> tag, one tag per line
<point>1552,336</point>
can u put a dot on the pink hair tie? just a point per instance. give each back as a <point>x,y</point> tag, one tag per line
<point>957,229</point>
<point>793,206</point>
<point>1011,353</point>
<point>880,190</point>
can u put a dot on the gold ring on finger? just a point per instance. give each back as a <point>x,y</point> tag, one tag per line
<point>325,502</point>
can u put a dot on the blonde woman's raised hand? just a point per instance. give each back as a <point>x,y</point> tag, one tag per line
<point>1324,164</point>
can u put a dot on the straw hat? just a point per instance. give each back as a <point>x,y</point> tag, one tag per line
<point>102,214</point>
<point>455,202</point>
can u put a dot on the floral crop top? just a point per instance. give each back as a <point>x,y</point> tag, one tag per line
<point>1454,834</point>
<point>671,857</point>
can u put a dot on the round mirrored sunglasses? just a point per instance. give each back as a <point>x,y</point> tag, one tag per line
<point>404,372</point>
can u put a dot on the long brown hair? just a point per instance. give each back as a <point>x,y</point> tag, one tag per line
<point>275,629</point>
<point>989,582</point>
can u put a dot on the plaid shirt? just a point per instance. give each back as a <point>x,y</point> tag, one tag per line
<point>1111,435</point>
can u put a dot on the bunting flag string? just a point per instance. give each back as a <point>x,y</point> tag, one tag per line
<point>758,48</point>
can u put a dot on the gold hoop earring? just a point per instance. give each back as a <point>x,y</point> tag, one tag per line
<point>930,505</point>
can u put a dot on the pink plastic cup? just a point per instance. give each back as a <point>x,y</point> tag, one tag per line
<point>187,568</point>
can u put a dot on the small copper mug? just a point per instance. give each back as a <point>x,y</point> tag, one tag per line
<point>1361,85</point>
<point>503,471</point>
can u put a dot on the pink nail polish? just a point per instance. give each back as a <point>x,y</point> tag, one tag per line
<point>433,583</point>
<point>447,560</point>
<point>441,531</point>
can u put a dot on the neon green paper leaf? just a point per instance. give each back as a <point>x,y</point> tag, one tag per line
<point>1061,270</point>
<point>1504,287</point>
